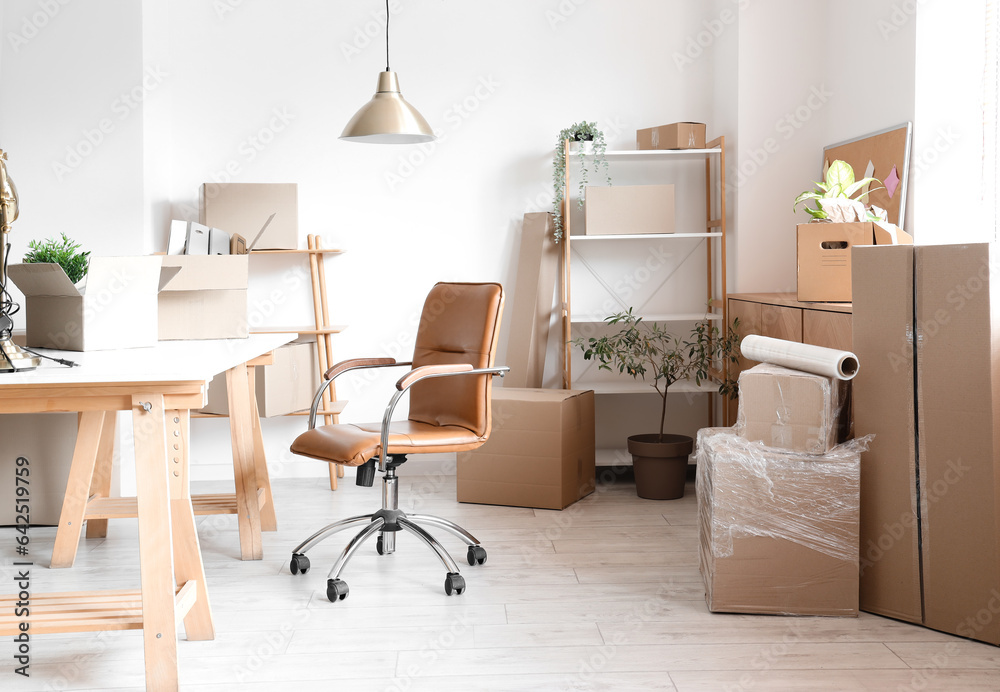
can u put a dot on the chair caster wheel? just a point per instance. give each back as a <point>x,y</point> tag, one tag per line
<point>379,546</point>
<point>336,590</point>
<point>299,563</point>
<point>476,555</point>
<point>454,582</point>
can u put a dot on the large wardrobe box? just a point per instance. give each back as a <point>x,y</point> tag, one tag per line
<point>541,451</point>
<point>931,484</point>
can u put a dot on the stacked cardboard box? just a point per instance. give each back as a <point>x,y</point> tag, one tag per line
<point>778,500</point>
<point>778,530</point>
<point>927,326</point>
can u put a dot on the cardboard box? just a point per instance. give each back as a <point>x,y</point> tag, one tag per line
<point>957,324</point>
<point>673,136</point>
<point>824,257</point>
<point>629,209</point>
<point>531,307</point>
<point>286,386</point>
<point>116,309</point>
<point>792,410</point>
<point>244,208</point>
<point>206,300</point>
<point>47,441</point>
<point>884,406</point>
<point>541,451</point>
<point>778,532</point>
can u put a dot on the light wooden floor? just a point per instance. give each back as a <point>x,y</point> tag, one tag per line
<point>603,596</point>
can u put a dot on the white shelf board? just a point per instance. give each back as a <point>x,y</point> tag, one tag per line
<point>654,317</point>
<point>643,387</point>
<point>653,153</point>
<point>644,236</point>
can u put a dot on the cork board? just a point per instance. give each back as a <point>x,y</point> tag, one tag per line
<point>884,149</point>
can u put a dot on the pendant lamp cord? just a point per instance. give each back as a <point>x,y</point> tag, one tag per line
<point>386,35</point>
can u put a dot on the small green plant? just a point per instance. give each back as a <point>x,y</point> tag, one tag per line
<point>640,348</point>
<point>578,132</point>
<point>839,184</point>
<point>64,253</point>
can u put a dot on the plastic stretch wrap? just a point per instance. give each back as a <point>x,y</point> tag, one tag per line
<point>745,489</point>
<point>816,359</point>
<point>792,410</point>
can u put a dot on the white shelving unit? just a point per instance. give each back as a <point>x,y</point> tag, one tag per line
<point>714,237</point>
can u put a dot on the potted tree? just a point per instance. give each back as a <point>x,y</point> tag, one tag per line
<point>63,252</point>
<point>589,142</point>
<point>639,349</point>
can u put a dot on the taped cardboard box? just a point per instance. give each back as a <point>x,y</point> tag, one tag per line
<point>792,410</point>
<point>116,309</point>
<point>673,136</point>
<point>541,451</point>
<point>957,323</point>
<point>824,257</point>
<point>885,406</point>
<point>245,208</point>
<point>778,532</point>
<point>206,300</point>
<point>629,209</point>
<point>285,386</point>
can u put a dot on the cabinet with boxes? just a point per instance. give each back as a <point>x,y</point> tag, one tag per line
<point>781,316</point>
<point>636,217</point>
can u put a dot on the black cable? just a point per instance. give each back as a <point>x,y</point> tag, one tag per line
<point>386,35</point>
<point>8,307</point>
<point>61,361</point>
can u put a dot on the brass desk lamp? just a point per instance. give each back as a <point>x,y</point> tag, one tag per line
<point>12,357</point>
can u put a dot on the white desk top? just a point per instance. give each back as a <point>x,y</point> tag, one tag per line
<point>168,361</point>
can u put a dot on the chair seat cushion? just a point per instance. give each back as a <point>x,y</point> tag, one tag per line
<point>353,444</point>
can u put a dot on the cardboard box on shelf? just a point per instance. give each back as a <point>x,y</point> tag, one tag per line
<point>824,256</point>
<point>245,208</point>
<point>778,531</point>
<point>541,451</point>
<point>116,309</point>
<point>792,410</point>
<point>206,300</point>
<point>673,136</point>
<point>285,386</point>
<point>957,324</point>
<point>629,209</point>
<point>884,405</point>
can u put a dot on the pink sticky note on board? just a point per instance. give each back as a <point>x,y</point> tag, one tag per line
<point>892,182</point>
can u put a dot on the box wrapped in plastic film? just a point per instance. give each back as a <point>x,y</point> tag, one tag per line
<point>778,531</point>
<point>793,410</point>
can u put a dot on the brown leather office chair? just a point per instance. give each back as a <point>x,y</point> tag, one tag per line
<point>450,383</point>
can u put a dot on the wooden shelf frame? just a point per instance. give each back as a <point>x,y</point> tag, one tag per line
<point>715,233</point>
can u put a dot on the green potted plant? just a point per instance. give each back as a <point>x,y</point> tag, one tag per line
<point>582,132</point>
<point>835,194</point>
<point>62,252</point>
<point>639,349</point>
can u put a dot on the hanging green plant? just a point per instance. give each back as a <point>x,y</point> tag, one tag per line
<point>64,253</point>
<point>579,132</point>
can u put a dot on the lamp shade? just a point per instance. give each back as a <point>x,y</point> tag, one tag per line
<point>388,118</point>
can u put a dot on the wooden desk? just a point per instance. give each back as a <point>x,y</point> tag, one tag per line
<point>160,386</point>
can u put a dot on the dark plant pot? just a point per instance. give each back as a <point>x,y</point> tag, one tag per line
<point>660,465</point>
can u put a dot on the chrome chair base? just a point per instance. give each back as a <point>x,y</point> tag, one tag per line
<point>387,522</point>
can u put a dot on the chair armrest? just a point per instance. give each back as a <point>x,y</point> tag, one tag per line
<point>423,371</point>
<point>359,363</point>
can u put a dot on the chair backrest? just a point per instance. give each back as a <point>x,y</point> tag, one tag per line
<point>460,323</point>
